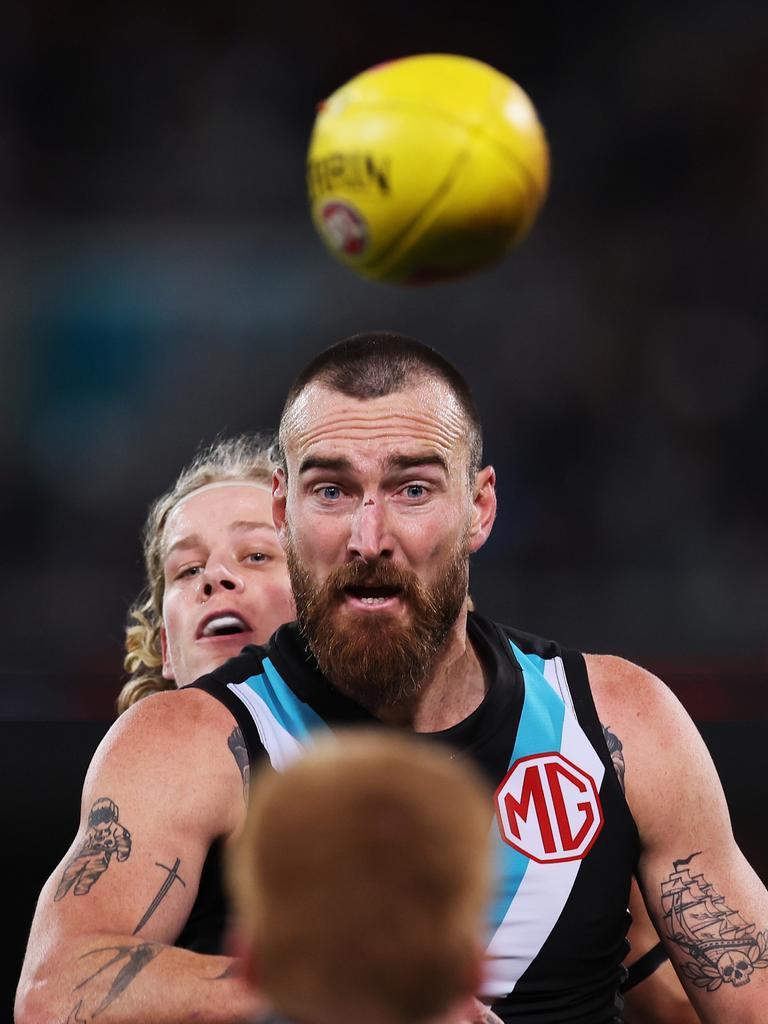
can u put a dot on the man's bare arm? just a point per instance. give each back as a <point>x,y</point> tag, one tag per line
<point>659,998</point>
<point>706,902</point>
<point>164,785</point>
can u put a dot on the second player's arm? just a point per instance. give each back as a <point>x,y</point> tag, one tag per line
<point>163,786</point>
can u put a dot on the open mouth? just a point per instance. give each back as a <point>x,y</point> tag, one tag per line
<point>224,625</point>
<point>373,595</point>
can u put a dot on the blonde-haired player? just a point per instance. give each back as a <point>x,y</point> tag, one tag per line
<point>230,474</point>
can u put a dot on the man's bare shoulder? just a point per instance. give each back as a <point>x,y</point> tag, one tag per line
<point>183,744</point>
<point>647,724</point>
<point>187,719</point>
<point>621,687</point>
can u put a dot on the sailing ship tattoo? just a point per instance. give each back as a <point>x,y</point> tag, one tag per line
<point>724,947</point>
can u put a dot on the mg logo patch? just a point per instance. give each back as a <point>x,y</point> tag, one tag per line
<point>548,808</point>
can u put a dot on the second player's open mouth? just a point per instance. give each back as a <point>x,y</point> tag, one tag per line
<point>222,624</point>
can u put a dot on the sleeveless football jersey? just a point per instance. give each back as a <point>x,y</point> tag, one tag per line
<point>565,843</point>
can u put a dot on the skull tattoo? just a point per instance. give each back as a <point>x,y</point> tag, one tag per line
<point>735,968</point>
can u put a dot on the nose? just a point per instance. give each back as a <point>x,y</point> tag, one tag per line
<point>221,575</point>
<point>369,538</point>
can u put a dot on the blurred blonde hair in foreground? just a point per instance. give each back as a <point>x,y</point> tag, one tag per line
<point>361,880</point>
<point>245,457</point>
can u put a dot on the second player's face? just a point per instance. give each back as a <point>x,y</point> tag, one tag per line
<point>226,582</point>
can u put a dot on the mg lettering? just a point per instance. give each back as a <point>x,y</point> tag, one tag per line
<point>548,808</point>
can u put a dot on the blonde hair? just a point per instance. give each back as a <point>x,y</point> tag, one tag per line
<point>361,879</point>
<point>245,457</point>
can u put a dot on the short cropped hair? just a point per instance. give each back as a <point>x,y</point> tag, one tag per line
<point>379,363</point>
<point>247,457</point>
<point>361,880</point>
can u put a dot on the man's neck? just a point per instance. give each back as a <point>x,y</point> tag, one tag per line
<point>453,689</point>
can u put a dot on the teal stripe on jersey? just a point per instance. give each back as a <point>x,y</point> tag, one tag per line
<point>540,731</point>
<point>292,714</point>
<point>533,659</point>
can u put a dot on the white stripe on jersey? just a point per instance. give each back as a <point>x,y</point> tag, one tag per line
<point>545,888</point>
<point>282,748</point>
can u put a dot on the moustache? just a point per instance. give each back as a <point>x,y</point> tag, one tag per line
<point>371,576</point>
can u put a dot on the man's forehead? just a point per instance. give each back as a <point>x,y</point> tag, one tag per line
<point>425,415</point>
<point>239,503</point>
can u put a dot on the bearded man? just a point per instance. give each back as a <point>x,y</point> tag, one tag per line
<point>380,501</point>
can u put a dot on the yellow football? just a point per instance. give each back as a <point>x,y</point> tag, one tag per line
<point>426,168</point>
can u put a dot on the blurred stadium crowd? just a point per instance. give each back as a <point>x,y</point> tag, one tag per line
<point>161,283</point>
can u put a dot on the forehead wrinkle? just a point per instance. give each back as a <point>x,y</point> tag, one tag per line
<point>415,427</point>
<point>444,420</point>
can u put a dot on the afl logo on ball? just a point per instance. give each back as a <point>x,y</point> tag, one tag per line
<point>344,227</point>
<point>548,808</point>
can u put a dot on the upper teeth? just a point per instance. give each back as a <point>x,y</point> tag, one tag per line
<point>373,600</point>
<point>223,622</point>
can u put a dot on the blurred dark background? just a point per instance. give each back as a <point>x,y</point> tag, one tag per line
<point>161,282</point>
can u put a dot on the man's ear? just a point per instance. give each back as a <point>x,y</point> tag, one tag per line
<point>279,495</point>
<point>167,670</point>
<point>483,508</point>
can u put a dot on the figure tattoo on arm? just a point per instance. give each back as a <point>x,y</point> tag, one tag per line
<point>725,949</point>
<point>236,744</point>
<point>616,750</point>
<point>105,838</point>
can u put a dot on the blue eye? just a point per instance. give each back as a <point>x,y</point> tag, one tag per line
<point>191,570</point>
<point>257,556</point>
<point>331,493</point>
<point>415,490</point>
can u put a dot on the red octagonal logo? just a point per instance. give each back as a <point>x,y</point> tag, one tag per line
<point>548,808</point>
<point>344,227</point>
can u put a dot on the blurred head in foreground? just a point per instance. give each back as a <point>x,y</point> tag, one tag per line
<point>360,882</point>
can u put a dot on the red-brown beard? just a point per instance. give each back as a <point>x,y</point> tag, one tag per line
<point>375,659</point>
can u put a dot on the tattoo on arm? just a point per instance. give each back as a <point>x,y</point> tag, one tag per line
<point>236,743</point>
<point>172,876</point>
<point>616,750</point>
<point>724,948</point>
<point>105,838</point>
<point>74,1015</point>
<point>133,960</point>
<point>230,971</point>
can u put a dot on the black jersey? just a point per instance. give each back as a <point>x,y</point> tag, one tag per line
<point>565,842</point>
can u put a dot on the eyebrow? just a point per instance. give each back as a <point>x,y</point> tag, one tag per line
<point>192,540</point>
<point>415,461</point>
<point>337,465</point>
<point>242,525</point>
<point>394,462</point>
